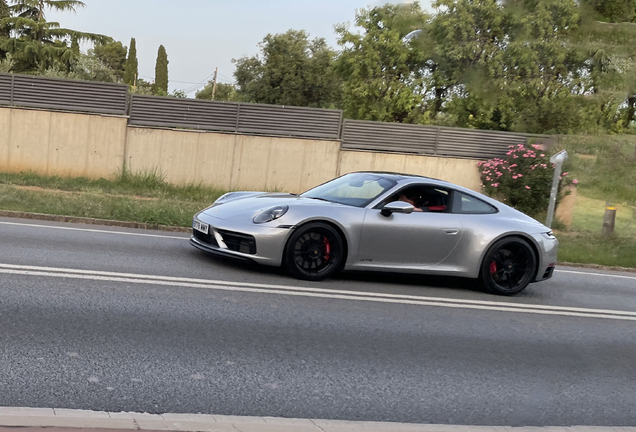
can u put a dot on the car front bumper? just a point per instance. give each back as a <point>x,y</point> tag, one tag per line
<point>234,240</point>
<point>548,248</point>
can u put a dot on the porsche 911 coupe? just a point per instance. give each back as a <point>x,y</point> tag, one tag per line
<point>381,222</point>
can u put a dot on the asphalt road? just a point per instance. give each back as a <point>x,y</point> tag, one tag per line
<point>166,328</point>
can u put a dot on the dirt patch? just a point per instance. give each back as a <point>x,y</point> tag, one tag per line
<point>63,192</point>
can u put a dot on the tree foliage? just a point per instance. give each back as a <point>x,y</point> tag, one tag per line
<point>382,75</point>
<point>132,64</point>
<point>161,72</point>
<point>35,43</point>
<point>290,69</point>
<point>224,92</point>
<point>113,55</point>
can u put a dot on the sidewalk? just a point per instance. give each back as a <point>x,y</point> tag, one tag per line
<point>63,420</point>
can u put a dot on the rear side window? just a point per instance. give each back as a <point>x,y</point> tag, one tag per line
<point>467,204</point>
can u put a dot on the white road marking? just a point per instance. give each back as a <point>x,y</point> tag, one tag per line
<point>596,274</point>
<point>315,292</point>
<point>94,230</point>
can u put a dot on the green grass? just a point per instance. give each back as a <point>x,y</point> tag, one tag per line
<point>143,198</point>
<point>605,166</point>
<point>593,249</point>
<point>588,217</point>
<point>146,184</point>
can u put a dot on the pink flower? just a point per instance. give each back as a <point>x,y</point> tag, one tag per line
<point>495,185</point>
<point>520,175</point>
<point>527,187</point>
<point>542,154</point>
<point>515,156</point>
<point>575,181</point>
<point>565,173</point>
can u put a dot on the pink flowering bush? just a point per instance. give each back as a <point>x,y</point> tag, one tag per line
<point>523,179</point>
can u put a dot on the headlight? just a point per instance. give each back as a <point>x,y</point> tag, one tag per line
<point>549,235</point>
<point>270,214</point>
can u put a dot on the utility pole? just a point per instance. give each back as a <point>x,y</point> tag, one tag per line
<point>216,72</point>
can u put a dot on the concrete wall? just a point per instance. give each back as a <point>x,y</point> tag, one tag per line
<point>97,146</point>
<point>463,172</point>
<point>54,143</point>
<point>232,161</point>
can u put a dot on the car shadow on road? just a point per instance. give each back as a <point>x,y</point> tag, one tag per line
<point>350,277</point>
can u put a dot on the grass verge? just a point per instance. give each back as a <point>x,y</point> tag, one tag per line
<point>585,248</point>
<point>145,198</point>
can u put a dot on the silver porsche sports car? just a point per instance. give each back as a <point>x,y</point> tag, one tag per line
<point>381,222</point>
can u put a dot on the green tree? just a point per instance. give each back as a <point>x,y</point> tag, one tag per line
<point>224,92</point>
<point>112,54</point>
<point>465,44</point>
<point>614,10</point>
<point>290,70</point>
<point>35,43</point>
<point>85,67</point>
<point>383,76</point>
<point>132,64</point>
<point>161,72</point>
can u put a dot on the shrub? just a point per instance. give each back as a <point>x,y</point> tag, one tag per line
<point>523,179</point>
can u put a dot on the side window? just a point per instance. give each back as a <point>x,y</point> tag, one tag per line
<point>425,198</point>
<point>466,204</point>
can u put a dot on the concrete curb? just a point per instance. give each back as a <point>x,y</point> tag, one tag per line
<point>92,221</point>
<point>79,419</point>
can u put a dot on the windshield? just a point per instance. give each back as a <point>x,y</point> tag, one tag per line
<point>357,189</point>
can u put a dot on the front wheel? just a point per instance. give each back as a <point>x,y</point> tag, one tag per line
<point>314,252</point>
<point>509,266</point>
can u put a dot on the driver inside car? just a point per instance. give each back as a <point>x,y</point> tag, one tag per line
<point>411,198</point>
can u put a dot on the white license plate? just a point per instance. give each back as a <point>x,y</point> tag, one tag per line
<point>200,226</point>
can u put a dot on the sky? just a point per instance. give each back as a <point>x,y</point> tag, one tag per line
<point>200,35</point>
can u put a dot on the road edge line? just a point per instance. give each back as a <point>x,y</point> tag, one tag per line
<point>17,417</point>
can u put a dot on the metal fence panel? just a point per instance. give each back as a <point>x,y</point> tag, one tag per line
<point>5,89</point>
<point>433,140</point>
<point>69,95</point>
<point>479,144</point>
<point>185,113</point>
<point>289,121</point>
<point>390,137</point>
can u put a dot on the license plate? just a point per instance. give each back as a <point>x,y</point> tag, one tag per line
<point>200,226</point>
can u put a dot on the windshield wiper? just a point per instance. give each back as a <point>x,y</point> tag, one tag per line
<point>316,198</point>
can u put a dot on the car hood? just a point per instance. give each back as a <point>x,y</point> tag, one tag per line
<point>248,204</point>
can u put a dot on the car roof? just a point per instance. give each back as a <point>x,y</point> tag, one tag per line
<point>401,177</point>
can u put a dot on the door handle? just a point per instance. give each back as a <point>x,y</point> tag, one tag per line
<point>451,231</point>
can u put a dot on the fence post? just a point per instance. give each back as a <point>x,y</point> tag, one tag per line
<point>439,130</point>
<point>609,220</point>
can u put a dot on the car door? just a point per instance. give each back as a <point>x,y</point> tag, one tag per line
<point>416,240</point>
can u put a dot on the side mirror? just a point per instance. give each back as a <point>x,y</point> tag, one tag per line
<point>397,207</point>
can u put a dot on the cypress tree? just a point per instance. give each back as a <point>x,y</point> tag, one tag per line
<point>75,47</point>
<point>132,64</point>
<point>161,72</point>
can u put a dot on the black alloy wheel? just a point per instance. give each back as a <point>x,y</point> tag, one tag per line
<point>509,266</point>
<point>314,252</point>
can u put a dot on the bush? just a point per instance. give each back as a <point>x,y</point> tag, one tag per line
<point>523,179</point>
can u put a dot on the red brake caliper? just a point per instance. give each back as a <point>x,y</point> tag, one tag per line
<point>493,267</point>
<point>327,248</point>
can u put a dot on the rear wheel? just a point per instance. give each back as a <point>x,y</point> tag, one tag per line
<point>509,266</point>
<point>314,251</point>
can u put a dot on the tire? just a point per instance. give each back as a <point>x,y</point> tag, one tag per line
<point>314,252</point>
<point>508,267</point>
